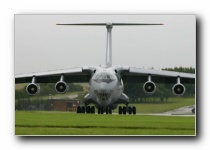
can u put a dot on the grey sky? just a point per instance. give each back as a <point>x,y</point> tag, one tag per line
<point>40,45</point>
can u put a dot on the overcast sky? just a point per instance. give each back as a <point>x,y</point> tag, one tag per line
<point>40,45</point>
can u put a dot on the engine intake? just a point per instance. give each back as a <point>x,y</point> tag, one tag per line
<point>61,87</point>
<point>32,89</point>
<point>178,89</point>
<point>149,87</point>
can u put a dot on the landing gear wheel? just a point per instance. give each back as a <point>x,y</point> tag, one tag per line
<point>110,110</point>
<point>78,109</point>
<point>92,110</point>
<point>107,110</point>
<point>124,110</point>
<point>83,109</point>
<point>130,110</point>
<point>134,110</point>
<point>88,109</point>
<point>120,110</point>
<point>100,110</point>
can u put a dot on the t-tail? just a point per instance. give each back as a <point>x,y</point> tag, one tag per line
<point>109,26</point>
<point>109,45</point>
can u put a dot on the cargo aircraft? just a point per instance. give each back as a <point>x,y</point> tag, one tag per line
<point>105,83</point>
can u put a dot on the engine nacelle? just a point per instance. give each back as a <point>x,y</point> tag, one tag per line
<point>149,87</point>
<point>32,88</point>
<point>178,89</point>
<point>61,87</point>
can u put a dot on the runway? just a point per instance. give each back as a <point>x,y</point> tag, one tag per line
<point>187,110</point>
<point>182,112</point>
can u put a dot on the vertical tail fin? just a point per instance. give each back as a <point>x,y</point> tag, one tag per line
<point>109,45</point>
<point>109,26</point>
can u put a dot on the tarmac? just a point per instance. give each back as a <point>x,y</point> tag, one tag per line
<point>183,111</point>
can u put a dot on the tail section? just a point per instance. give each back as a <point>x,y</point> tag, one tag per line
<point>109,26</point>
<point>109,45</point>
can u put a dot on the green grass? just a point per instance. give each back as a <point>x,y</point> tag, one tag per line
<point>66,123</point>
<point>65,95</point>
<point>20,86</point>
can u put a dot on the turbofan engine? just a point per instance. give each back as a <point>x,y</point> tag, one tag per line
<point>32,88</point>
<point>178,89</point>
<point>61,86</point>
<point>149,87</point>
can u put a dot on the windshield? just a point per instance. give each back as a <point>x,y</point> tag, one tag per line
<point>103,77</point>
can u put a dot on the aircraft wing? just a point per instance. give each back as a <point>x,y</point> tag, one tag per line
<point>140,75</point>
<point>72,75</point>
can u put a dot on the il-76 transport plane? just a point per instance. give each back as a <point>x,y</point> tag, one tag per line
<point>105,84</point>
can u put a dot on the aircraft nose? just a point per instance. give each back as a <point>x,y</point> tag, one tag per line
<point>103,87</point>
<point>103,93</point>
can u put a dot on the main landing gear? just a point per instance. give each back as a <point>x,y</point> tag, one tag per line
<point>107,110</point>
<point>86,109</point>
<point>127,109</point>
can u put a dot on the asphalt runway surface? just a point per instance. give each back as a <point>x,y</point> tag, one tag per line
<point>183,111</point>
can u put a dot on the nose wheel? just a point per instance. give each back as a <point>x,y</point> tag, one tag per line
<point>107,110</point>
<point>127,109</point>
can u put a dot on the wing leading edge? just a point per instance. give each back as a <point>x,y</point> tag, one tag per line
<point>52,76</point>
<point>140,75</point>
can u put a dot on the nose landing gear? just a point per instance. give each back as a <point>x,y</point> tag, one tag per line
<point>101,110</point>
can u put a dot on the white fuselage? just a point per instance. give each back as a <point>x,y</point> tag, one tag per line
<point>105,87</point>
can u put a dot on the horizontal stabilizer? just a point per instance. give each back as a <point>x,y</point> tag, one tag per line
<point>109,26</point>
<point>115,24</point>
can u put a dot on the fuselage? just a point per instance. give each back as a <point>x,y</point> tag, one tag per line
<point>105,87</point>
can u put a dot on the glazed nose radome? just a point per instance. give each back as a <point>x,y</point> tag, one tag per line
<point>103,93</point>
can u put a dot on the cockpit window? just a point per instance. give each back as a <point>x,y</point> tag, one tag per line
<point>103,77</point>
